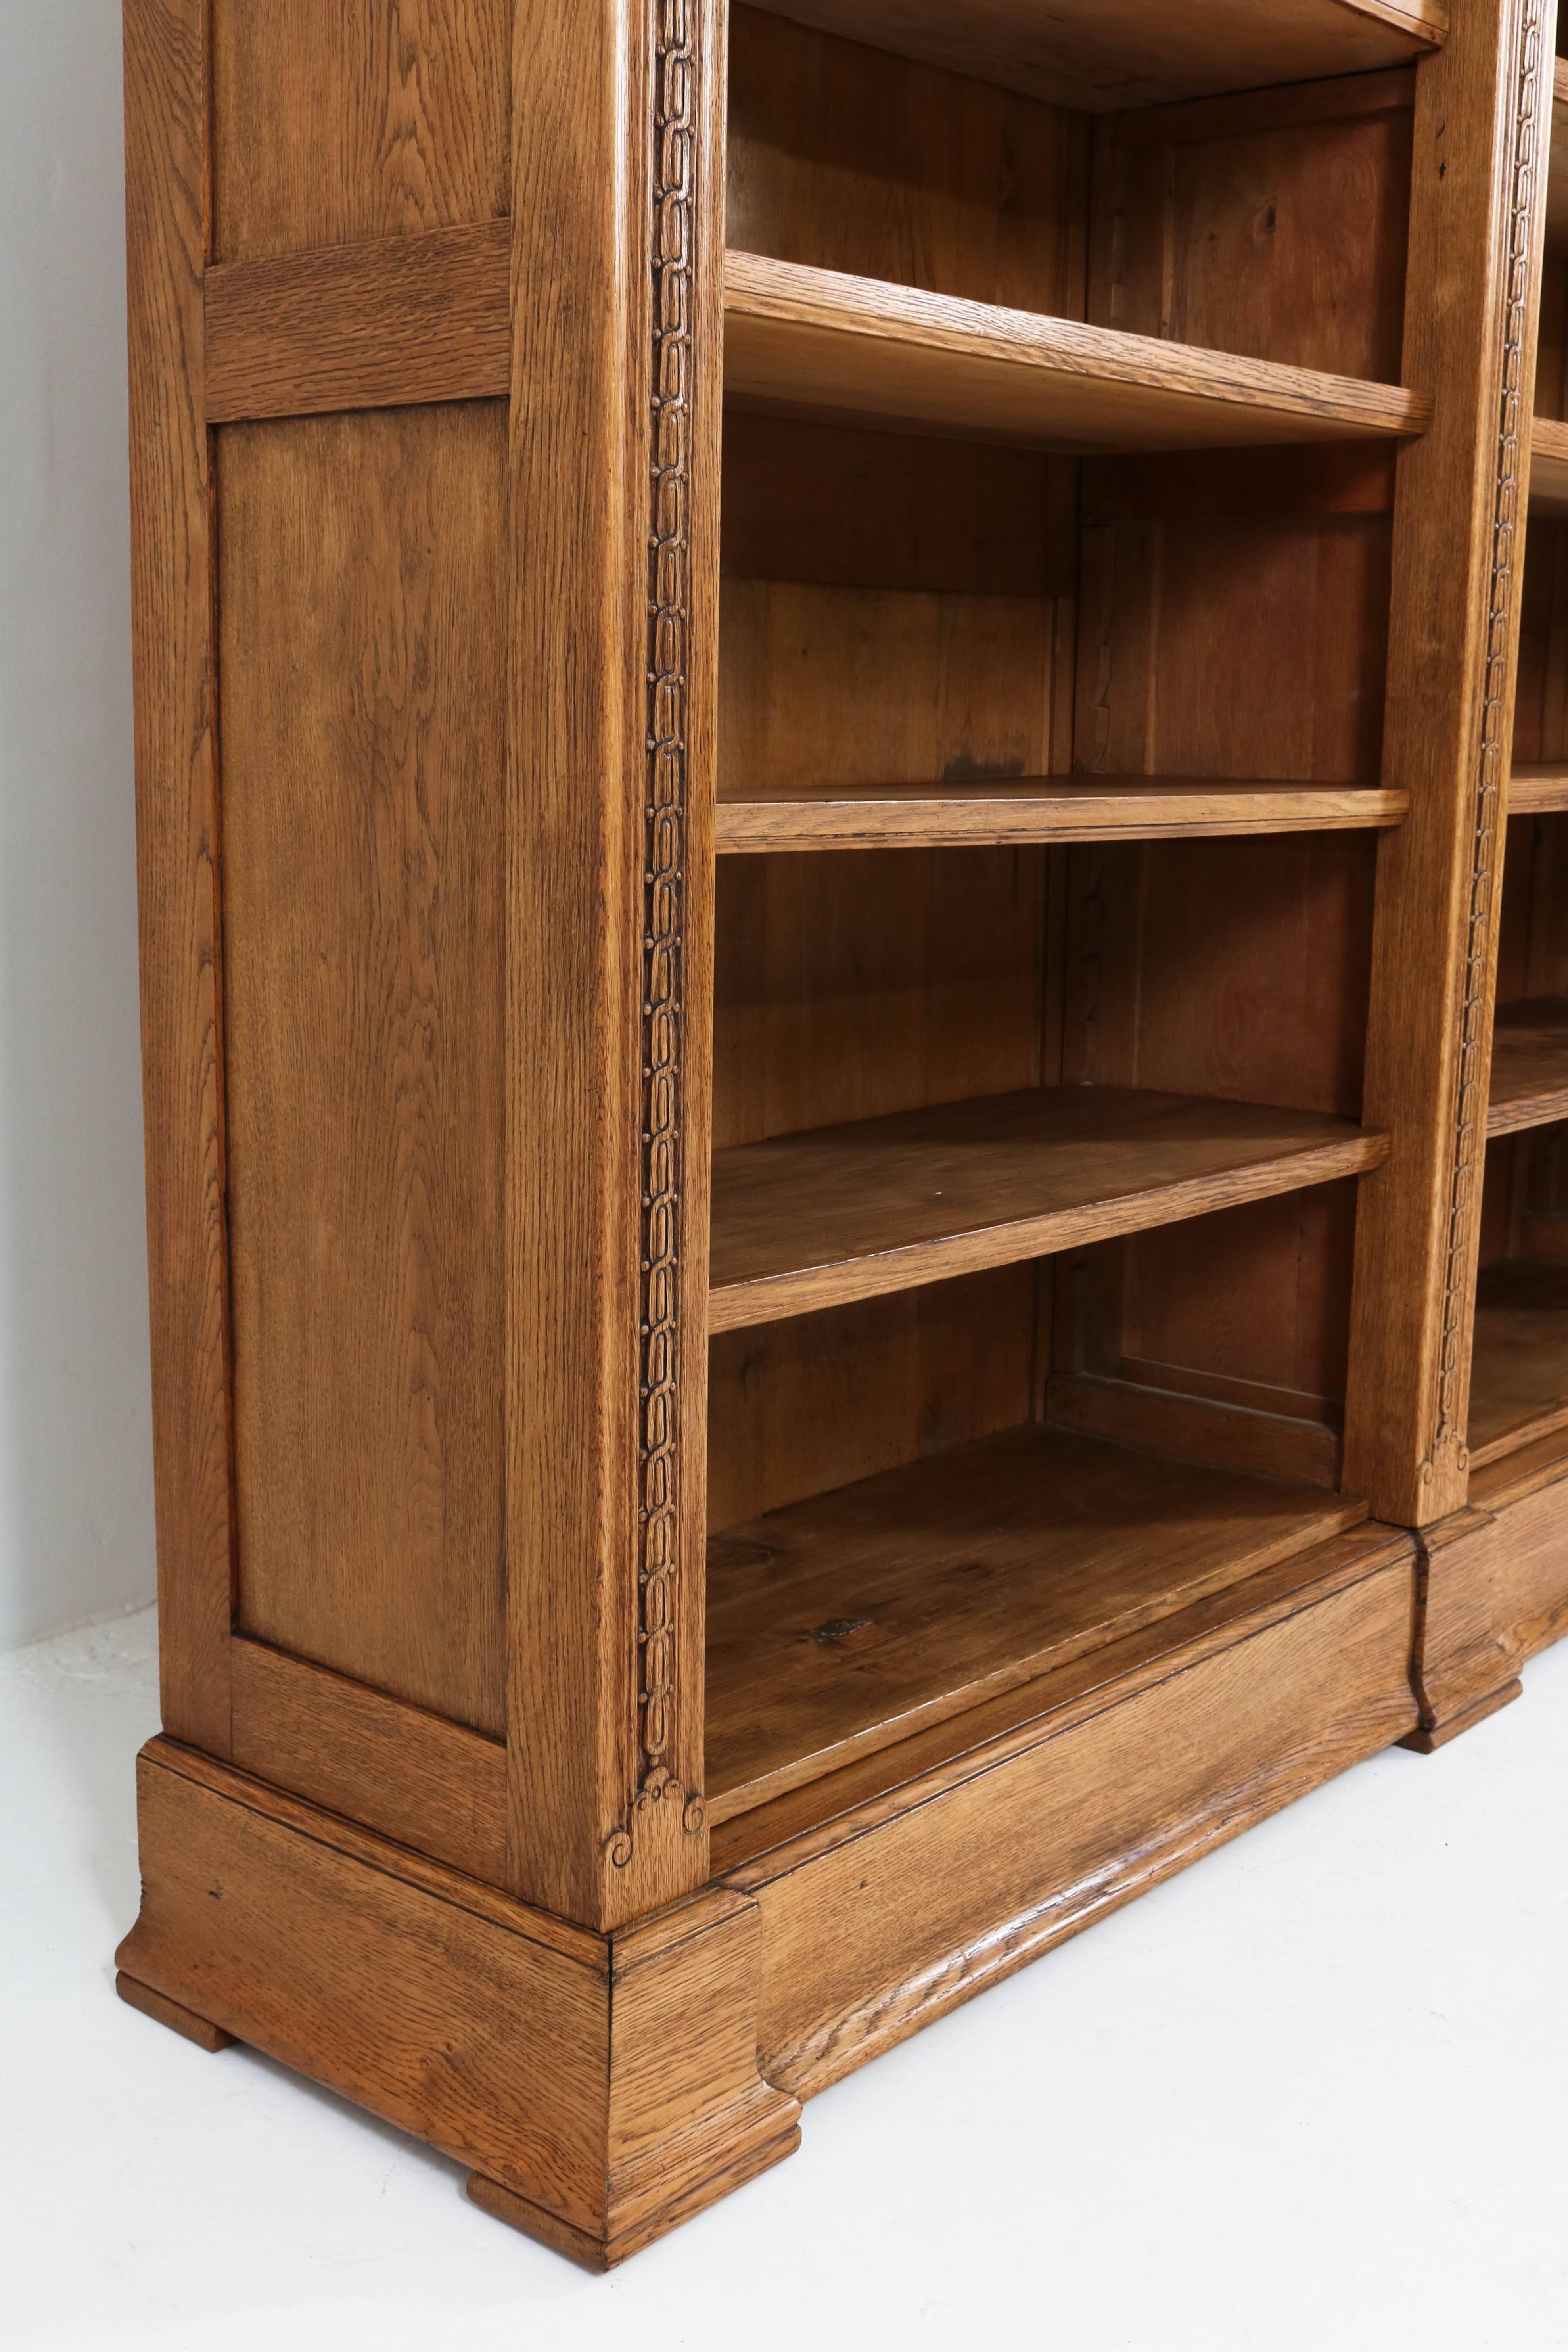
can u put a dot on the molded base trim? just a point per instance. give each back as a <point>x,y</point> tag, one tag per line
<point>163,2011</point>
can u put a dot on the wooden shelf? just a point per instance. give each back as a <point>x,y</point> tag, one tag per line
<point>821,342</point>
<point>1519,1371</point>
<point>1529,1065</point>
<point>845,1623</point>
<point>1044,808</point>
<point>1102,54</point>
<point>814,1220</point>
<point>1537,788</point>
<point>1548,467</point>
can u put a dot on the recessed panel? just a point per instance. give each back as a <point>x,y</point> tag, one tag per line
<point>362,719</point>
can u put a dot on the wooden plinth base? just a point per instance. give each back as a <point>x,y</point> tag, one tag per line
<point>600,2089</point>
<point>199,2029</point>
<point>1428,1740</point>
<point>605,2087</point>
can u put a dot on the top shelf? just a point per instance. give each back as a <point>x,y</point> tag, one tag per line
<point>823,343</point>
<point>1103,54</point>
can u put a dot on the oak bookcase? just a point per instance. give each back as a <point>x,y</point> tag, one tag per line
<point>824,716</point>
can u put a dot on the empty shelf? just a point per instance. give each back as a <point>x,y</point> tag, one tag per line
<point>816,1219</point>
<point>829,344</point>
<point>845,1623</point>
<point>1112,53</point>
<point>1519,1371</point>
<point>1043,808</point>
<point>1529,1065</point>
<point>1537,788</point>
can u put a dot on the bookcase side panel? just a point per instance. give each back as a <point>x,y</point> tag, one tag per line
<point>177,859</point>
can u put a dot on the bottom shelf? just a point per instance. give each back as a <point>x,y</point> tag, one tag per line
<point>1519,1372</point>
<point>842,1624</point>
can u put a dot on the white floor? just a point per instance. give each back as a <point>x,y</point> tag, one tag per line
<point>1313,2094</point>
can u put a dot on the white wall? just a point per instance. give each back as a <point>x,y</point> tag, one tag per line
<point>75,1473</point>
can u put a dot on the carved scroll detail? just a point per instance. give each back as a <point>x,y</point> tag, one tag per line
<point>1470,1107</point>
<point>663,1008</point>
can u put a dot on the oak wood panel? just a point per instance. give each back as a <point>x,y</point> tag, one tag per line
<point>1477,224</point>
<point>1525,1498</point>
<point>1108,53</point>
<point>1253,486</point>
<point>831,1214</point>
<point>1185,1428</point>
<point>819,340</point>
<point>363,858</point>
<point>608,2085</point>
<point>851,159</point>
<point>332,125</point>
<point>1221,225</point>
<point>1538,788</point>
<point>379,325</point>
<point>826,685</point>
<point>850,507</point>
<point>412,1776</point>
<point>177,861</point>
<point>1518,1376</point>
<point>1529,1065</point>
<point>1039,808</point>
<point>871,983</point>
<point>1557,177</point>
<point>892,1914</point>
<point>816,1401</point>
<point>851,1621</point>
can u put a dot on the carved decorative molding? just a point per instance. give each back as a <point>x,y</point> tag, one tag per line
<point>1470,1108</point>
<point>663,1008</point>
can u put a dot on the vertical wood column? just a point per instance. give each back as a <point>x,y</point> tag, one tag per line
<point>177,838</point>
<point>1482,125</point>
<point>617,323</point>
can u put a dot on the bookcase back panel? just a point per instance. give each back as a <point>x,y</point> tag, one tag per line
<point>1274,226</point>
<point>362,659</point>
<point>865,982</point>
<point>800,1407</point>
<point>848,507</point>
<point>848,158</point>
<point>334,124</point>
<point>1540,708</point>
<point>1227,648</point>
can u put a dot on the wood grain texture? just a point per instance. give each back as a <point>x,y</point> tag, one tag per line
<point>1524,1498</point>
<point>835,1213</point>
<point>364,868</point>
<point>1477,222</point>
<point>852,159</point>
<point>1040,808</point>
<point>853,1621</point>
<point>380,325</point>
<point>825,342</point>
<point>1465,1665</point>
<point>1538,788</point>
<point>1108,53</point>
<point>1519,1379</point>
<point>177,861</point>
<point>882,1917</point>
<point>1529,1065</point>
<point>208,2037</point>
<point>609,940</point>
<point>411,1775</point>
<point>610,2083</point>
<point>1210,1430</point>
<point>1557,180</point>
<point>332,125</point>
